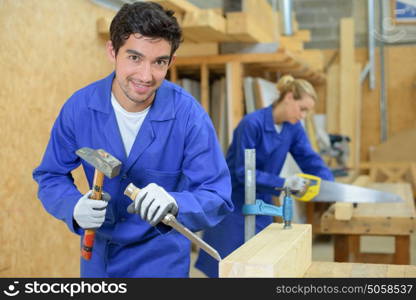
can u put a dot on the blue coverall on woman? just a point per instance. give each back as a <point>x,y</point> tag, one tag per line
<point>257,131</point>
<point>175,148</point>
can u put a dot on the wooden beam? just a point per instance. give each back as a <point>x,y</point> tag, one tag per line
<point>377,218</point>
<point>313,58</point>
<point>205,25</point>
<point>197,49</point>
<point>266,20</point>
<point>179,6</point>
<point>291,43</point>
<point>273,252</point>
<point>235,101</point>
<point>350,92</point>
<point>332,100</point>
<point>205,87</point>
<point>320,269</point>
<point>279,57</point>
<point>243,27</point>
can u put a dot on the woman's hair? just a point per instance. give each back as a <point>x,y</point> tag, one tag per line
<point>148,19</point>
<point>298,87</point>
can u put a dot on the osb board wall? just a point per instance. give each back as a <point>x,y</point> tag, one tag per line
<point>48,50</point>
<point>401,76</point>
<point>400,68</point>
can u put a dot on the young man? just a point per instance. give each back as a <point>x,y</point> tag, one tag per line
<point>167,146</point>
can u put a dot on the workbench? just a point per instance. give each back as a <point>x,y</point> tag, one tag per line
<point>370,219</point>
<point>320,269</point>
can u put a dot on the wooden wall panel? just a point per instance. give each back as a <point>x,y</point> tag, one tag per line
<point>401,78</point>
<point>401,81</point>
<point>48,50</point>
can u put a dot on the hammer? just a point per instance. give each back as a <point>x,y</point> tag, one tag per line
<point>104,164</point>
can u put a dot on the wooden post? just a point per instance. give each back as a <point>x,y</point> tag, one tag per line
<point>402,252</point>
<point>235,107</point>
<point>341,248</point>
<point>205,87</point>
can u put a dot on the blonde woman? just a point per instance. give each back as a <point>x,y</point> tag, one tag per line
<point>273,132</point>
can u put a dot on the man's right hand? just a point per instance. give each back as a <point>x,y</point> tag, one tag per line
<point>90,213</point>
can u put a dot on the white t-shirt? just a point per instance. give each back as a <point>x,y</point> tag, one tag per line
<point>278,127</point>
<point>129,123</point>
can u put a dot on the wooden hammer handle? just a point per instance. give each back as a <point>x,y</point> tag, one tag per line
<point>89,235</point>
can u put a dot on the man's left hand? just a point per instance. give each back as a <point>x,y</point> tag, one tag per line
<point>153,203</point>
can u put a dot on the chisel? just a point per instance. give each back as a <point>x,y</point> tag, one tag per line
<point>131,191</point>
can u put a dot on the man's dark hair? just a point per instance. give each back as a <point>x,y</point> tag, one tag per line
<point>148,19</point>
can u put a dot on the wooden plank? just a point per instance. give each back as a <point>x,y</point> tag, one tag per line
<point>205,87</point>
<point>205,25</point>
<point>313,58</point>
<point>279,57</point>
<point>243,27</point>
<point>343,211</point>
<point>218,111</point>
<point>402,250</point>
<point>347,100</point>
<point>197,49</point>
<point>355,146</point>
<point>303,35</point>
<point>266,19</point>
<point>311,131</point>
<point>347,270</point>
<point>406,209</point>
<point>290,43</point>
<point>179,6</point>
<point>224,136</point>
<point>341,248</point>
<point>389,152</point>
<point>401,68</point>
<point>34,243</point>
<point>235,101</point>
<point>273,252</point>
<point>378,218</point>
<point>332,99</point>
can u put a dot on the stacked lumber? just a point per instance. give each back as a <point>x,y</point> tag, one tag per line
<point>204,29</point>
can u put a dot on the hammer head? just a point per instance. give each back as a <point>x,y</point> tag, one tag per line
<point>101,160</point>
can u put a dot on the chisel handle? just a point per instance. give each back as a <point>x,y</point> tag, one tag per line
<point>89,235</point>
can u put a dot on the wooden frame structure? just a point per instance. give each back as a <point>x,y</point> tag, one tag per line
<point>235,65</point>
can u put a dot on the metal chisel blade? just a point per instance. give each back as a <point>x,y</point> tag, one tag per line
<point>339,192</point>
<point>170,220</point>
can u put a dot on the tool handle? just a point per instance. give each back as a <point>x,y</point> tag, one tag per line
<point>89,235</point>
<point>131,191</point>
<point>97,185</point>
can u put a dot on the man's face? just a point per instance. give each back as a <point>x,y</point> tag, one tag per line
<point>141,65</point>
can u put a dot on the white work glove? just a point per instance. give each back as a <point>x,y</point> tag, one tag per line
<point>296,183</point>
<point>90,213</point>
<point>153,203</point>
